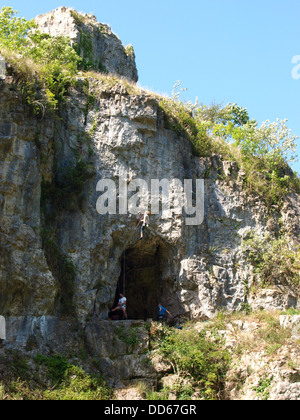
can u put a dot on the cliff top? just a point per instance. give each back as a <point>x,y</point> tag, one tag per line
<point>99,48</point>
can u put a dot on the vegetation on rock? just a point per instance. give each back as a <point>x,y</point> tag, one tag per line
<point>53,378</point>
<point>262,153</point>
<point>233,356</point>
<point>45,68</point>
<point>198,358</point>
<point>275,262</point>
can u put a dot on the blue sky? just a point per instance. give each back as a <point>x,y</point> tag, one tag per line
<point>221,50</point>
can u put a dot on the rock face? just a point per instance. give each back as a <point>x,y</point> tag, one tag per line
<point>2,68</point>
<point>120,348</point>
<point>194,270</point>
<point>50,235</point>
<point>98,46</point>
<point>258,374</point>
<point>27,285</point>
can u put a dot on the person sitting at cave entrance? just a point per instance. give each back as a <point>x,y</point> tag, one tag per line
<point>121,305</point>
<point>145,223</point>
<point>162,312</point>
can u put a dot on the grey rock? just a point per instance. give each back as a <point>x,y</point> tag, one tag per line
<point>292,322</point>
<point>2,68</point>
<point>99,47</point>
<point>285,391</point>
<point>193,270</point>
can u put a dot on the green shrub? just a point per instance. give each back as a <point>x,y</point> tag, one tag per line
<point>54,63</point>
<point>77,385</point>
<point>14,31</point>
<point>64,382</point>
<point>56,366</point>
<point>274,260</point>
<point>262,153</point>
<point>199,357</point>
<point>69,382</point>
<point>59,63</point>
<point>263,388</point>
<point>78,18</point>
<point>128,336</point>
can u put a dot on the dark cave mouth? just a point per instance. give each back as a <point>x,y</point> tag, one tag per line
<point>141,279</point>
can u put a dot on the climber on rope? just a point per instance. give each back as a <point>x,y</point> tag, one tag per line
<point>121,305</point>
<point>145,223</point>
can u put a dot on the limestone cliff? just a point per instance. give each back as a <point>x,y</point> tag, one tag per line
<point>60,257</point>
<point>195,270</point>
<point>98,46</point>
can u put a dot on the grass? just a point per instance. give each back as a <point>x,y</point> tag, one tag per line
<point>266,333</point>
<point>59,380</point>
<point>103,82</point>
<point>43,88</point>
<point>26,75</point>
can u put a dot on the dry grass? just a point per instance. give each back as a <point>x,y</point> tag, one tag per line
<point>258,331</point>
<point>23,67</point>
<point>106,82</point>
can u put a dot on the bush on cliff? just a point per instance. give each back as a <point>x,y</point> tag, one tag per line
<point>263,152</point>
<point>45,66</point>
<point>198,358</point>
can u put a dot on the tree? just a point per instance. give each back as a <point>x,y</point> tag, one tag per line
<point>14,30</point>
<point>271,141</point>
<point>57,61</point>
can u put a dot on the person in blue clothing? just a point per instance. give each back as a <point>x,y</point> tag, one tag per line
<point>162,312</point>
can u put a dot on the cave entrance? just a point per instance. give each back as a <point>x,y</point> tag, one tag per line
<point>141,278</point>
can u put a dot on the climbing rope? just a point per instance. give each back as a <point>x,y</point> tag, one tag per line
<point>124,258</point>
<point>124,272</point>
